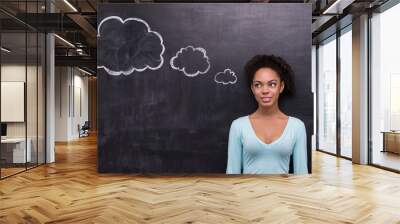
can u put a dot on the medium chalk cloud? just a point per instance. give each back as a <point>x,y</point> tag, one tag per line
<point>190,60</point>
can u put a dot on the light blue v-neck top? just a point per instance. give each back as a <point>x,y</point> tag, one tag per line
<point>247,154</point>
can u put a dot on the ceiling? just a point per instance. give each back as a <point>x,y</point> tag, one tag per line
<point>75,22</point>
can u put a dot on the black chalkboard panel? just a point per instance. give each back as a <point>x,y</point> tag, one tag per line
<point>170,79</point>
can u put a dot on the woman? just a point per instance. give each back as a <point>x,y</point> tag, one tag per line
<point>262,142</point>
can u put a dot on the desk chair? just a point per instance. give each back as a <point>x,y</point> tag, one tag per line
<point>84,130</point>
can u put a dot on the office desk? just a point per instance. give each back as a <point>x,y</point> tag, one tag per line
<point>15,148</point>
<point>391,141</point>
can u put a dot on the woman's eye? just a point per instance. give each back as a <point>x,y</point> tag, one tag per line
<point>273,84</point>
<point>257,85</point>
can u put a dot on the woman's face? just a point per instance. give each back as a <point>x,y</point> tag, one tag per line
<point>266,87</point>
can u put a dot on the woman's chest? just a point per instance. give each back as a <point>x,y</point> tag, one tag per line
<point>268,132</point>
<point>283,146</point>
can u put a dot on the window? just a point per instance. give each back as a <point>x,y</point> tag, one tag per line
<point>327,96</point>
<point>346,92</point>
<point>385,88</point>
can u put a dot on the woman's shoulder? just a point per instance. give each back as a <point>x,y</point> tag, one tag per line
<point>297,123</point>
<point>240,122</point>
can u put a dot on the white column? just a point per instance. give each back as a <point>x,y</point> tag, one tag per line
<point>50,93</point>
<point>360,90</point>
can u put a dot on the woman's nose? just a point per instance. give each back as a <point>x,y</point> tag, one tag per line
<point>265,89</point>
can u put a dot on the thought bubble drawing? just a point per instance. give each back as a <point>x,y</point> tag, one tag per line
<point>191,61</point>
<point>226,77</point>
<point>128,45</point>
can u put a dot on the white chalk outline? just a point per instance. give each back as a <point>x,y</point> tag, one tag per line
<point>111,72</point>
<point>202,50</point>
<point>226,83</point>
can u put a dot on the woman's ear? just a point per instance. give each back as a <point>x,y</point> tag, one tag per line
<point>282,86</point>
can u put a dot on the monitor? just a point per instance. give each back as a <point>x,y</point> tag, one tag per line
<point>3,129</point>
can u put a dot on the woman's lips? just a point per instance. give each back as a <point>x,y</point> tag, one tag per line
<point>266,99</point>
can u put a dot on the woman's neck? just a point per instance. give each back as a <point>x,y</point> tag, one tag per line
<point>272,111</point>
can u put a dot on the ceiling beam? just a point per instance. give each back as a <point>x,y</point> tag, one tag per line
<point>84,24</point>
<point>81,61</point>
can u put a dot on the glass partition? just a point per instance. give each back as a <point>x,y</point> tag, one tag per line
<point>31,99</point>
<point>13,108</point>
<point>22,67</point>
<point>41,91</point>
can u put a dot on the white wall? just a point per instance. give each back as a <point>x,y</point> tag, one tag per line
<point>12,101</point>
<point>16,73</point>
<point>71,102</point>
<point>61,103</point>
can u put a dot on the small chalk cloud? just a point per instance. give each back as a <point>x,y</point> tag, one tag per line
<point>190,60</point>
<point>128,45</point>
<point>226,77</point>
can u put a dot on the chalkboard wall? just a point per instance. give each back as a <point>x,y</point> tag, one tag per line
<point>170,79</point>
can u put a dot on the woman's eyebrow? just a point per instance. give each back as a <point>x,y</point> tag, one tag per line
<point>273,80</point>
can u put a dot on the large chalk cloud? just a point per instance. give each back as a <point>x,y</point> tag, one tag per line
<point>128,45</point>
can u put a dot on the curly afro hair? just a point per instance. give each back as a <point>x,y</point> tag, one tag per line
<point>280,66</point>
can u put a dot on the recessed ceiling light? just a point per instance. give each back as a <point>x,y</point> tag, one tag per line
<point>70,5</point>
<point>5,50</point>
<point>64,40</point>
<point>337,7</point>
<point>84,71</point>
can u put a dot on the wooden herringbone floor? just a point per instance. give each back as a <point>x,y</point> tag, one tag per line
<point>71,191</point>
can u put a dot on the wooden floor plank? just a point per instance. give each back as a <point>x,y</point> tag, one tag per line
<point>71,191</point>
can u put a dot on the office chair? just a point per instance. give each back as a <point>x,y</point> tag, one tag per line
<point>84,130</point>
